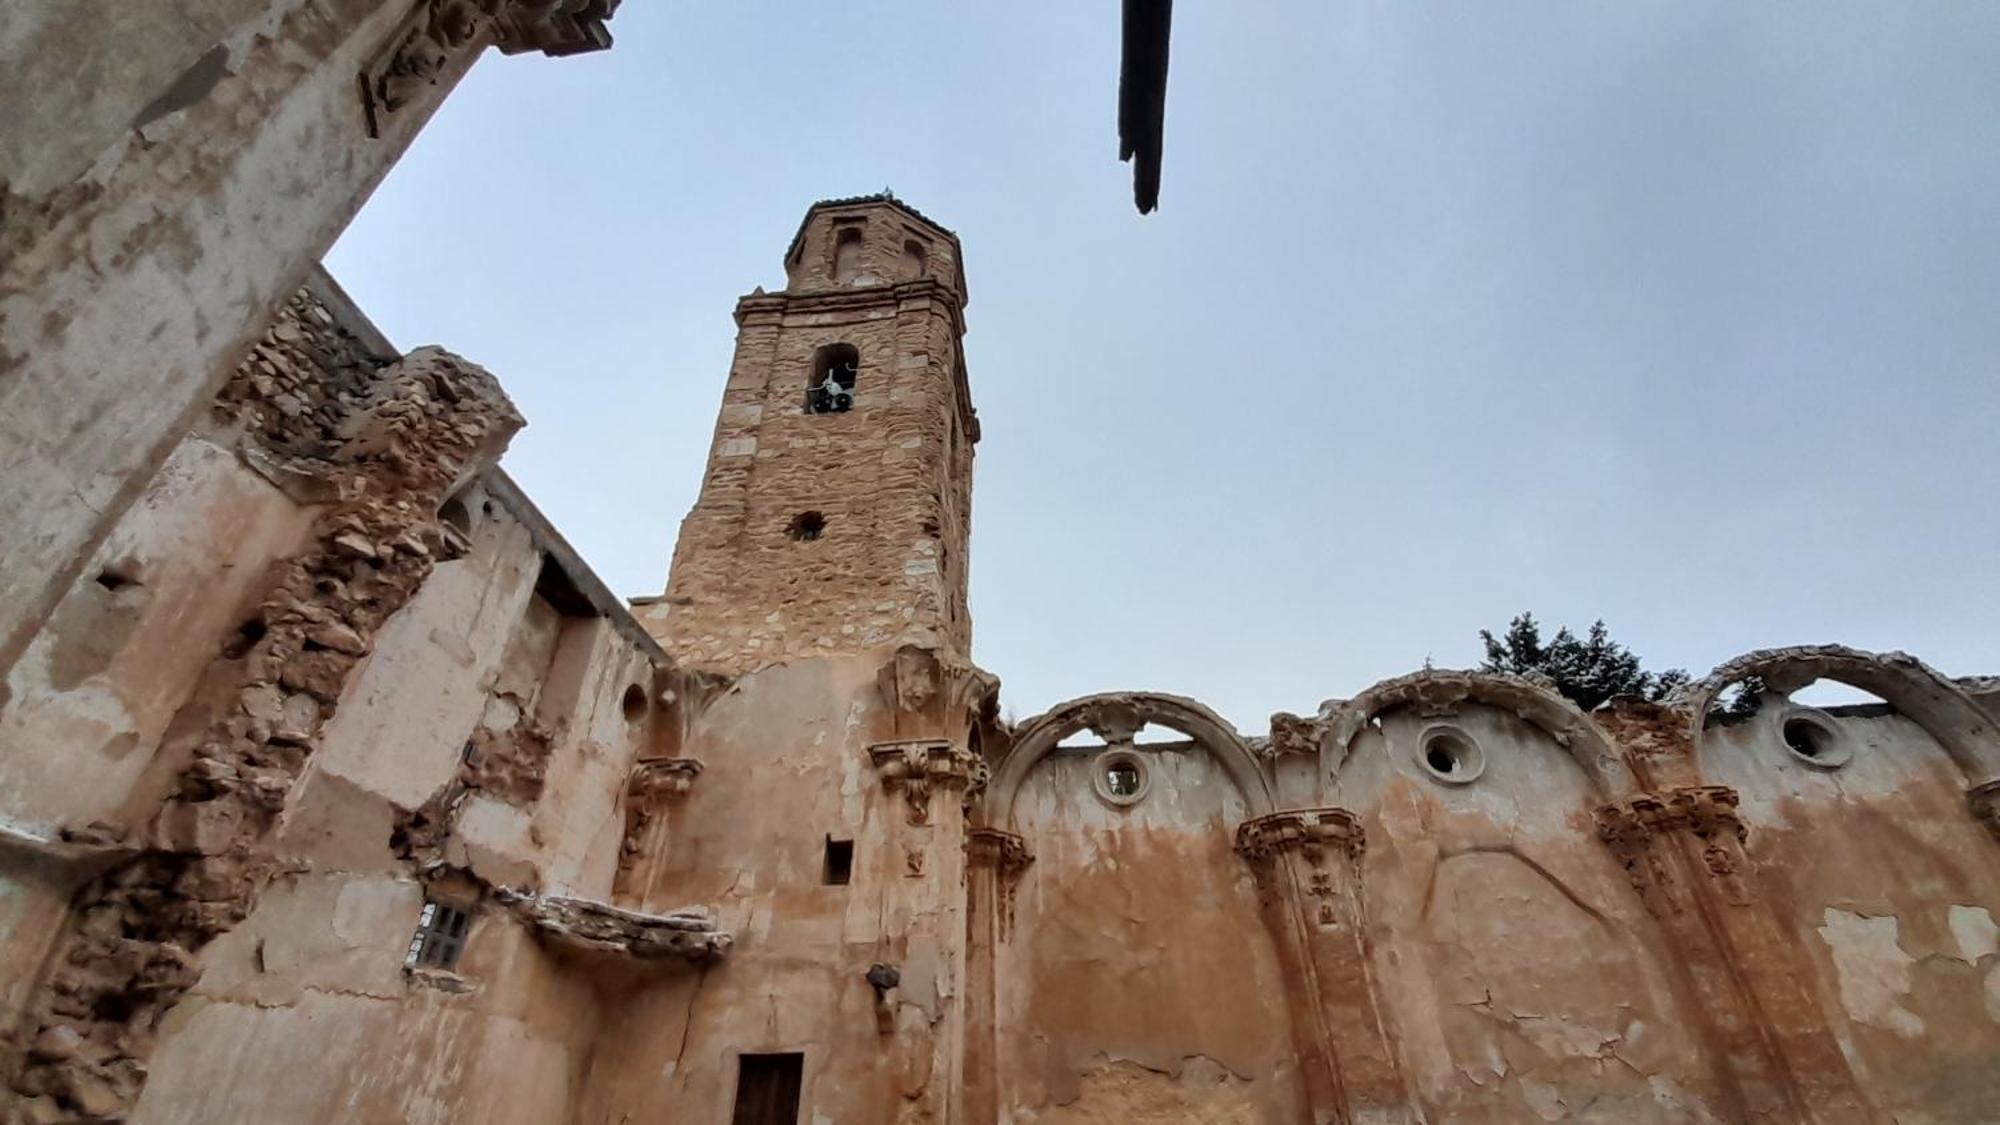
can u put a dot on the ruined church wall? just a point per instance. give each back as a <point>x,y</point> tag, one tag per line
<point>1137,982</point>
<point>786,766</point>
<point>1520,974</point>
<point>98,687</point>
<point>1887,885</point>
<point>305,1014</point>
<point>153,219</point>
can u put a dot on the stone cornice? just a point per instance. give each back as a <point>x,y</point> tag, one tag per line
<point>853,299</point>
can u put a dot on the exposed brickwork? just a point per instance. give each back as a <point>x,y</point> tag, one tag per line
<point>891,478</point>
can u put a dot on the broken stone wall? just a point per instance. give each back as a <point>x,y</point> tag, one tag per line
<point>486,733</point>
<point>313,699</point>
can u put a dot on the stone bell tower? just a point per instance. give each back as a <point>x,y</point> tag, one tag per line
<point>837,503</point>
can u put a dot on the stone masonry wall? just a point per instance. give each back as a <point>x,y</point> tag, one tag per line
<point>889,478</point>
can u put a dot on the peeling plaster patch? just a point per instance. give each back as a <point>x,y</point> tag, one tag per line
<point>1975,932</point>
<point>1874,970</point>
<point>1993,993</point>
<point>1546,1101</point>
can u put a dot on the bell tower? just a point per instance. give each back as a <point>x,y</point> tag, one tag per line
<point>834,514</point>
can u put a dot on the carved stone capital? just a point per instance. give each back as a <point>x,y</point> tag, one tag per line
<point>1705,810</point>
<point>1007,854</point>
<point>917,766</point>
<point>1707,813</point>
<point>1984,800</point>
<point>997,848</point>
<point>1261,838</point>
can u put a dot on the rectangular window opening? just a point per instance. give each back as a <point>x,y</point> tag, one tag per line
<point>767,1089</point>
<point>839,870</point>
<point>440,936</point>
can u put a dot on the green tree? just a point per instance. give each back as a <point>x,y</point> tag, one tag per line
<point>1588,670</point>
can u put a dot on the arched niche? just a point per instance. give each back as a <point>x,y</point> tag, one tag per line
<point>1913,688</point>
<point>1116,717</point>
<point>1565,723</point>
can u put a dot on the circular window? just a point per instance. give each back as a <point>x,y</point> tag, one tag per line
<point>1451,756</point>
<point>1812,738</point>
<point>1120,777</point>
<point>634,703</point>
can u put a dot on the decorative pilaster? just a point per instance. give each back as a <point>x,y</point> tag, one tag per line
<point>652,786</point>
<point>1006,855</point>
<point>1307,864</point>
<point>1683,849</point>
<point>919,766</point>
<point>994,861</point>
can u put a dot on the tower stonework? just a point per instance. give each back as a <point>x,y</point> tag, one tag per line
<point>835,510</point>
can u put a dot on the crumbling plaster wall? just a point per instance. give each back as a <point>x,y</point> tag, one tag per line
<point>1138,981</point>
<point>1888,886</point>
<point>148,226</point>
<point>1521,974</point>
<point>97,688</point>
<point>785,751</point>
<point>307,984</point>
<point>305,1014</point>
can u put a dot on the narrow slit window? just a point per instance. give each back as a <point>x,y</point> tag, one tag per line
<point>767,1089</point>
<point>440,936</point>
<point>838,870</point>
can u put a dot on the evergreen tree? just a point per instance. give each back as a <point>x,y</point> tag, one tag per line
<point>1587,671</point>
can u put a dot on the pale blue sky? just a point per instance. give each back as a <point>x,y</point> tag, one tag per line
<point>1681,314</point>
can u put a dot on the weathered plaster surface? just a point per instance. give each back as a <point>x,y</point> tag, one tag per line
<point>333,666</point>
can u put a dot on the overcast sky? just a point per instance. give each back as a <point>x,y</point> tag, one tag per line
<point>1684,315</point>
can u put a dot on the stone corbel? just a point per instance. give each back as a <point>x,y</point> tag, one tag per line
<point>1706,812</point>
<point>918,766</point>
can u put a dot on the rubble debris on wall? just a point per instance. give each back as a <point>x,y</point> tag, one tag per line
<point>388,442</point>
